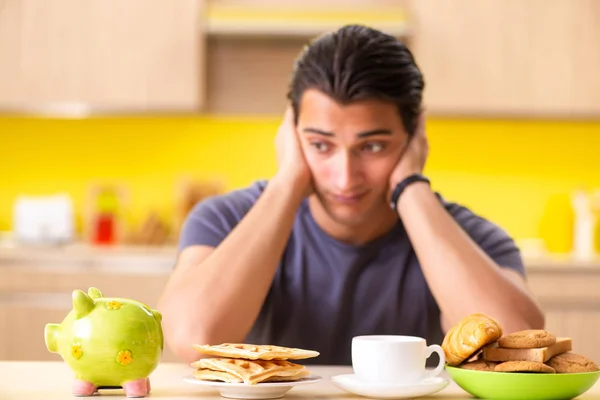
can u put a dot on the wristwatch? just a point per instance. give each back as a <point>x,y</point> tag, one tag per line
<point>402,185</point>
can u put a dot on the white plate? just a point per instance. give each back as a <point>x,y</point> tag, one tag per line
<point>350,383</point>
<point>267,390</point>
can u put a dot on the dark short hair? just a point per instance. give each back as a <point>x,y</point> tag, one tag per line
<point>356,63</point>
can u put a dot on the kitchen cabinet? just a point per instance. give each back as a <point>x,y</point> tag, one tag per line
<point>481,59</point>
<point>531,58</point>
<point>79,56</point>
<point>569,296</point>
<point>4,335</point>
<point>250,51</point>
<point>490,58</point>
<point>38,290</point>
<point>23,321</point>
<point>249,76</point>
<point>23,329</point>
<point>276,19</point>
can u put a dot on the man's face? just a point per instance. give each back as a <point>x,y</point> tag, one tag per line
<point>351,151</point>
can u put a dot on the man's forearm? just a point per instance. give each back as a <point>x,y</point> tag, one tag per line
<point>220,299</point>
<point>462,278</point>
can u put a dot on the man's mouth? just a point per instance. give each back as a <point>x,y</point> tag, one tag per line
<point>348,198</point>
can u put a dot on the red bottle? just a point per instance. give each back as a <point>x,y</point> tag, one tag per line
<point>105,219</point>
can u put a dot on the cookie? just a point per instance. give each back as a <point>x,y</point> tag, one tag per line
<point>571,362</point>
<point>527,339</point>
<point>524,366</point>
<point>500,354</point>
<point>479,365</point>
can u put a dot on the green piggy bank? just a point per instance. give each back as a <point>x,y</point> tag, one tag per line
<point>108,343</point>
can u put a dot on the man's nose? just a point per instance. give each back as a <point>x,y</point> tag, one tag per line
<point>347,171</point>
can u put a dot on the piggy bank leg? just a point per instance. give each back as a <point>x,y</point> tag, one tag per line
<point>148,384</point>
<point>82,388</point>
<point>137,388</point>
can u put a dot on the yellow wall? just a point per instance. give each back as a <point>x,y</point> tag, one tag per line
<point>517,173</point>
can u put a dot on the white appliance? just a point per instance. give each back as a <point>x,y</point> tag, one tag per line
<point>43,219</point>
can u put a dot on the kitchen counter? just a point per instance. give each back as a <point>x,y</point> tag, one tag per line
<point>163,257</point>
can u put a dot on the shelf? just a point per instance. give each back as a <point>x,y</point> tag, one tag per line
<point>224,21</point>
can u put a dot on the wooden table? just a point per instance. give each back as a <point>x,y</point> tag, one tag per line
<point>52,381</point>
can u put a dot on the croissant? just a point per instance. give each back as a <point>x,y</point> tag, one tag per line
<point>468,336</point>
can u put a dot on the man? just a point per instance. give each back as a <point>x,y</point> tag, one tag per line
<point>348,237</point>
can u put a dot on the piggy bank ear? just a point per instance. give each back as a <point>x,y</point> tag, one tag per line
<point>94,293</point>
<point>157,315</point>
<point>82,303</point>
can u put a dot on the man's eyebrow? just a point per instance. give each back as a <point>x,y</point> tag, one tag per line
<point>318,131</point>
<point>374,132</point>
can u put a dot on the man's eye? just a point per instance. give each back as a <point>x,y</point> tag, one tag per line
<point>374,147</point>
<point>320,146</point>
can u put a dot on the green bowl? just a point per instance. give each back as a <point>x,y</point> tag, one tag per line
<point>522,386</point>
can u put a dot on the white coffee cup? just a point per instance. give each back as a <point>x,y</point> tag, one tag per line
<point>394,359</point>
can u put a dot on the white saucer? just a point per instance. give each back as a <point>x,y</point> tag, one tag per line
<point>350,383</point>
<point>270,390</point>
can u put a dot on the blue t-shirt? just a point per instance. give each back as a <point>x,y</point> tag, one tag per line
<point>325,291</point>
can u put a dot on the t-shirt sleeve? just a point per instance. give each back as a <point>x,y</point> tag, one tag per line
<point>492,239</point>
<point>211,219</point>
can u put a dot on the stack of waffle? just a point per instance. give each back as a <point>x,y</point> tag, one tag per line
<point>250,364</point>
